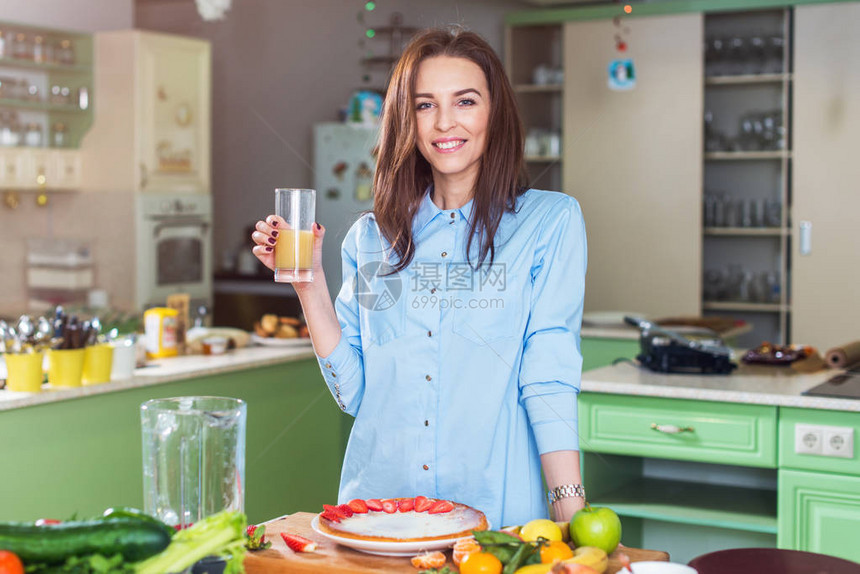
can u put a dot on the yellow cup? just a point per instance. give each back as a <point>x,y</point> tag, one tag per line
<point>98,361</point>
<point>24,372</point>
<point>65,367</point>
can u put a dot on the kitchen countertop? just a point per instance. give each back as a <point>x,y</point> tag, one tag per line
<point>166,371</point>
<point>749,384</point>
<point>630,333</point>
<point>776,386</point>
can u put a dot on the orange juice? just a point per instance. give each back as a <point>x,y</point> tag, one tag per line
<point>294,250</point>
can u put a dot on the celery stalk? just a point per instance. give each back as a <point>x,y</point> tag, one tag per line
<point>219,535</point>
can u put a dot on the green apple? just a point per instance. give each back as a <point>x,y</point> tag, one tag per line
<point>596,526</point>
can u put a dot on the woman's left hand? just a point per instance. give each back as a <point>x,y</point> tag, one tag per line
<point>564,509</point>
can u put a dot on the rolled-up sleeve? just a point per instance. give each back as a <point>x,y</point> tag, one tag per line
<point>343,368</point>
<point>552,361</point>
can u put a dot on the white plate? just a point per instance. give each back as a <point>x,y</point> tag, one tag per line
<point>273,342</point>
<point>386,548</point>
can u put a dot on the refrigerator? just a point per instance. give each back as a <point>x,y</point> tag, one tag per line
<point>343,177</point>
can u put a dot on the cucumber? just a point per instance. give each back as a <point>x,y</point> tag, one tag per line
<point>133,538</point>
<point>128,512</point>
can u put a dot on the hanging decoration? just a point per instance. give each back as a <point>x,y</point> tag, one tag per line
<point>621,71</point>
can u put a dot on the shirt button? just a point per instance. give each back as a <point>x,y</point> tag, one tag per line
<point>444,254</point>
<point>433,290</point>
<point>328,365</point>
<point>452,215</point>
<point>425,467</point>
<point>334,374</point>
<point>429,333</point>
<point>428,377</point>
<point>426,423</point>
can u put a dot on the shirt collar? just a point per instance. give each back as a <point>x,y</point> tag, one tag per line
<point>427,211</point>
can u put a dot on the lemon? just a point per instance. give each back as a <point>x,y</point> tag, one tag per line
<point>540,528</point>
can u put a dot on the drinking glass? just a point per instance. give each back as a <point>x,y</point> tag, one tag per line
<point>193,457</point>
<point>295,245</point>
<point>773,213</point>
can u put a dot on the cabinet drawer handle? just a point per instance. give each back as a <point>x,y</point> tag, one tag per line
<point>671,429</point>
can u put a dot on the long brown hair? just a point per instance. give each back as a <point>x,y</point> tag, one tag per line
<point>403,175</point>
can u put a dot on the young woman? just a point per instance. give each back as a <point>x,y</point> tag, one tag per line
<point>454,341</point>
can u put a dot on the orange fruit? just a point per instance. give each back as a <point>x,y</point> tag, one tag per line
<point>480,563</point>
<point>463,547</point>
<point>555,550</point>
<point>429,560</point>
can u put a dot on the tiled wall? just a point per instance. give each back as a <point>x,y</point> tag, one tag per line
<point>105,220</point>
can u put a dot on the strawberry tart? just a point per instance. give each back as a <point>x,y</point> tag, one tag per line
<point>401,519</point>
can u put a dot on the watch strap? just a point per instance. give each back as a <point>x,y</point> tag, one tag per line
<point>565,491</point>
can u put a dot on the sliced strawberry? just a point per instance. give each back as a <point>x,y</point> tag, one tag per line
<point>299,543</point>
<point>389,505</point>
<point>441,506</point>
<point>358,506</point>
<point>329,515</point>
<point>405,504</point>
<point>336,510</point>
<point>423,503</point>
<point>374,504</point>
<point>347,511</point>
<point>256,537</point>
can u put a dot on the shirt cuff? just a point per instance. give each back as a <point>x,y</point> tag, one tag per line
<point>338,368</point>
<point>554,421</point>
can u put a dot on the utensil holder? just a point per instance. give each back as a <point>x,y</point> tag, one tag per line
<point>24,372</point>
<point>65,367</point>
<point>98,361</point>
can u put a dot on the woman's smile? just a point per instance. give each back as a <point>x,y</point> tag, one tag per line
<point>449,145</point>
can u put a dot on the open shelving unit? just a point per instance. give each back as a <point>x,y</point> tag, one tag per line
<point>50,73</point>
<point>540,103</point>
<point>733,507</point>
<point>45,167</point>
<point>747,175</point>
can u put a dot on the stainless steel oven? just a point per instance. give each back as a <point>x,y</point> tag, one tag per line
<point>174,248</point>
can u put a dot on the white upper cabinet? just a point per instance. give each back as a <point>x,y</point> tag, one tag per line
<point>634,161</point>
<point>152,130</point>
<point>826,246</point>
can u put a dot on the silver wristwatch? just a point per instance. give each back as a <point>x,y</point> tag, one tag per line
<point>565,491</point>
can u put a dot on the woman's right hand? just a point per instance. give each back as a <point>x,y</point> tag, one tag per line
<point>265,236</point>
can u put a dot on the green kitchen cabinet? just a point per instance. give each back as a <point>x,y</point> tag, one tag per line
<point>819,512</point>
<point>702,431</point>
<point>691,476</point>
<point>83,455</point>
<point>819,496</point>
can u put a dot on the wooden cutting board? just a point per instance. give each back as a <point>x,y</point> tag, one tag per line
<point>331,557</point>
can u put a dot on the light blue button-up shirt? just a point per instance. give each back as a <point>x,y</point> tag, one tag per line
<point>459,379</point>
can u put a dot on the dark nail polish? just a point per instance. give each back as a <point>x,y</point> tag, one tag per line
<point>274,223</point>
<point>274,233</point>
<point>268,248</point>
<point>272,241</point>
<point>317,225</point>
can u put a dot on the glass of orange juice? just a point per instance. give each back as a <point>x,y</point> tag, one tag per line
<point>295,244</point>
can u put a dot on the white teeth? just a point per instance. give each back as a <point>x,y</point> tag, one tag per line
<point>448,145</point>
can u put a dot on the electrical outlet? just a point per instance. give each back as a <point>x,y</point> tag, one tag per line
<point>837,441</point>
<point>808,439</point>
